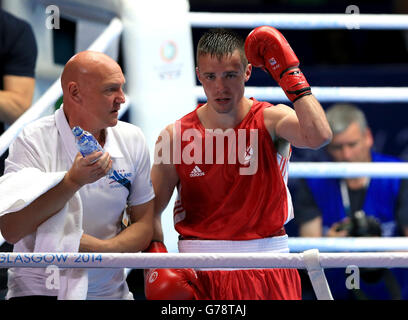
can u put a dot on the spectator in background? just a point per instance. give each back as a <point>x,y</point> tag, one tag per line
<point>18,56</point>
<point>325,207</point>
<point>360,206</point>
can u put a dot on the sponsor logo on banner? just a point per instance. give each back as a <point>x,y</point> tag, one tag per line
<point>168,51</point>
<point>169,69</point>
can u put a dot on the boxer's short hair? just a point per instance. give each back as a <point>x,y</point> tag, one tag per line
<point>221,42</point>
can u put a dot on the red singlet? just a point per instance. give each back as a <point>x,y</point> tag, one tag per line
<point>218,202</point>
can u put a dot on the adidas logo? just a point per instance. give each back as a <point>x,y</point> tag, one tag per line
<point>196,172</point>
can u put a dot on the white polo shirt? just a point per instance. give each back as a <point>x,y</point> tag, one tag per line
<point>49,145</point>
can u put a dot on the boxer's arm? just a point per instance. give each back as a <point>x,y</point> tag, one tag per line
<point>314,127</point>
<point>165,284</point>
<point>16,97</point>
<point>164,178</point>
<point>304,127</point>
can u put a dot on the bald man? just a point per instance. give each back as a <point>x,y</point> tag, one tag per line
<point>92,85</point>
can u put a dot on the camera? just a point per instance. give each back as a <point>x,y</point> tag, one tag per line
<point>361,225</point>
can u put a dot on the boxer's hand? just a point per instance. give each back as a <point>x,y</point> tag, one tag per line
<point>267,48</point>
<point>168,284</point>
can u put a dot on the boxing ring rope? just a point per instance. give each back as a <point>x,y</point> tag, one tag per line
<point>300,21</point>
<point>349,244</point>
<point>329,94</point>
<point>200,260</point>
<point>347,169</point>
<point>311,260</point>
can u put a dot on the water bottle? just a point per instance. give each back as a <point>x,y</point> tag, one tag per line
<point>86,143</point>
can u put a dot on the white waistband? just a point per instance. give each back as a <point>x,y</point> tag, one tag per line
<point>274,244</point>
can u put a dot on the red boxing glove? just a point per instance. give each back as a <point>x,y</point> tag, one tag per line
<point>168,284</point>
<point>267,48</point>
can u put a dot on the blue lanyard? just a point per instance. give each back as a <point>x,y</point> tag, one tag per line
<point>345,197</point>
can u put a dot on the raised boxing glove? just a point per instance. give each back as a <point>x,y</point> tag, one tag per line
<point>168,284</point>
<point>267,48</point>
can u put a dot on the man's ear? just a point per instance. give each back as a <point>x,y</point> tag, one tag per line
<point>73,91</point>
<point>198,74</point>
<point>248,72</point>
<point>369,138</point>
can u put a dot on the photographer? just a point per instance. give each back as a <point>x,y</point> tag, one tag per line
<point>356,207</point>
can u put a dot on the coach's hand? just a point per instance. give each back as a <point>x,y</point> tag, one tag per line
<point>89,169</point>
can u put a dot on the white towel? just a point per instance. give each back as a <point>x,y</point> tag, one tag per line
<point>60,233</point>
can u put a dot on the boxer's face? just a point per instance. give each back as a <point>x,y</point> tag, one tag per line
<point>223,80</point>
<point>351,145</point>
